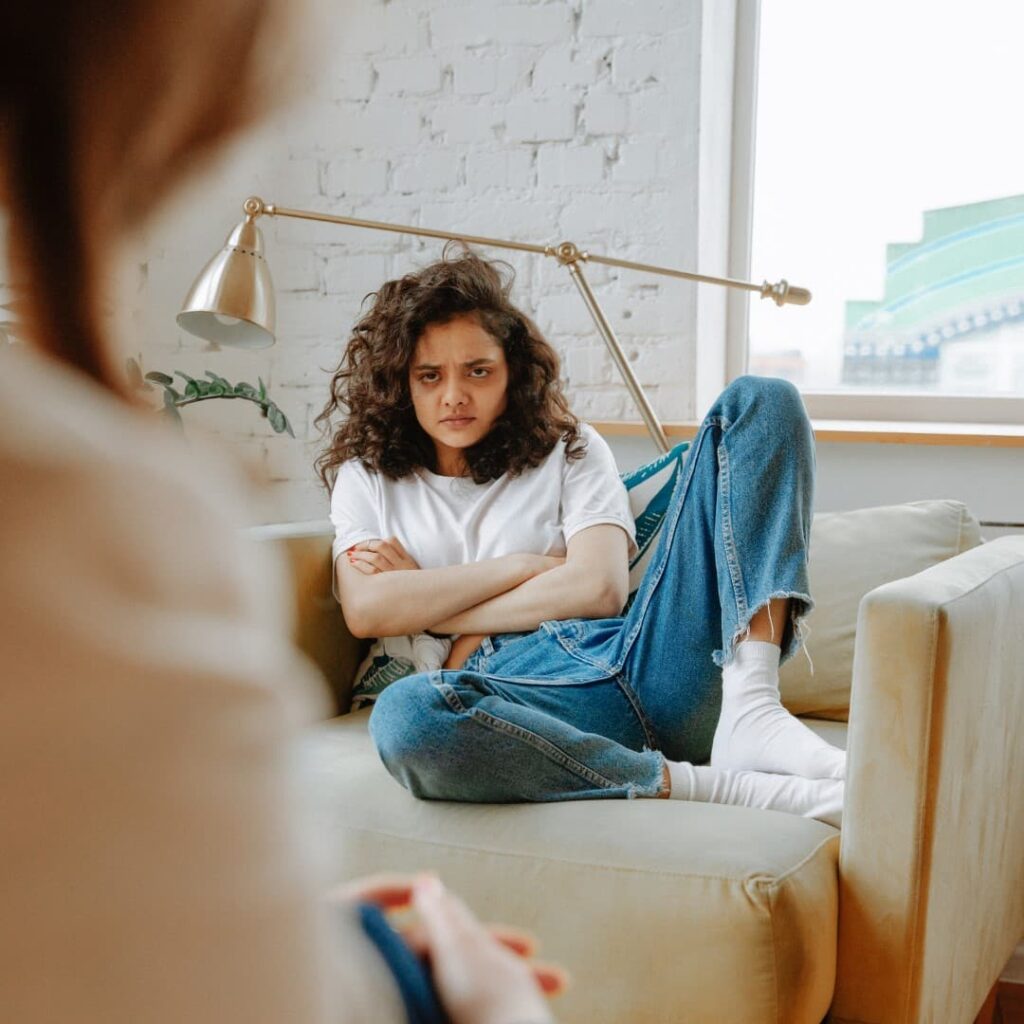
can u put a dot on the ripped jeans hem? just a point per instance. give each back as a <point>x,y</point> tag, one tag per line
<point>798,613</point>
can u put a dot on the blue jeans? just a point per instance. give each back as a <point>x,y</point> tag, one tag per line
<point>581,709</point>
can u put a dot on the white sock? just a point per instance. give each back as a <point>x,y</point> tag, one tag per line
<point>810,798</point>
<point>756,733</point>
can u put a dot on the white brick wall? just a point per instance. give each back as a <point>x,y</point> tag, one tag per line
<point>539,120</point>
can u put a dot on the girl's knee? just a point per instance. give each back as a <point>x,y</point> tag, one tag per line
<point>399,719</point>
<point>407,728</point>
<point>774,391</point>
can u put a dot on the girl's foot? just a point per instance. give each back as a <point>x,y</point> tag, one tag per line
<point>756,733</point>
<point>810,798</point>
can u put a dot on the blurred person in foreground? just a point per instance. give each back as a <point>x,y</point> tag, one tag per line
<point>157,861</point>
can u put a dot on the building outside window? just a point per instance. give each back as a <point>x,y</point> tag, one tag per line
<point>888,179</point>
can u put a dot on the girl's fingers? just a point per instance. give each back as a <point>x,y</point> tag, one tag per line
<point>553,980</point>
<point>385,889</point>
<point>410,562</point>
<point>366,570</point>
<point>372,547</point>
<point>394,891</point>
<point>516,941</point>
<point>370,558</point>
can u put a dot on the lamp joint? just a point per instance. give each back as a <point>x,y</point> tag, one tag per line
<point>255,207</point>
<point>567,253</point>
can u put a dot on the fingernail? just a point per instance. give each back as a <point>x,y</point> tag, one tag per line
<point>429,886</point>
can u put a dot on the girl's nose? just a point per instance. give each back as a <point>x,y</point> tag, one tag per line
<point>455,394</point>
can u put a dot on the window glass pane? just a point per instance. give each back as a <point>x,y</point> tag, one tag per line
<point>889,180</point>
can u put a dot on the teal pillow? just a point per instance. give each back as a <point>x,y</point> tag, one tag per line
<point>650,490</point>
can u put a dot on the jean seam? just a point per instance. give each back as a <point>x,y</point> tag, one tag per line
<point>659,569</point>
<point>728,541</point>
<point>634,701</point>
<point>543,746</point>
<point>571,647</point>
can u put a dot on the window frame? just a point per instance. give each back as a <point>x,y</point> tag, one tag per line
<point>823,404</point>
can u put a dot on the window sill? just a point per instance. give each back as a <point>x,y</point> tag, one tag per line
<point>984,435</point>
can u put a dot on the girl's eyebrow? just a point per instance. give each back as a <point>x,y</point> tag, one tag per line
<point>471,362</point>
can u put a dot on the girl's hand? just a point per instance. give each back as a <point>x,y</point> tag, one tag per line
<point>462,648</point>
<point>481,972</point>
<point>373,556</point>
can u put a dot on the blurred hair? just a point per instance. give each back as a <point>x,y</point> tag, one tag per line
<point>105,106</point>
<point>371,385</point>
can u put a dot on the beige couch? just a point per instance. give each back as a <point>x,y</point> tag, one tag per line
<point>667,911</point>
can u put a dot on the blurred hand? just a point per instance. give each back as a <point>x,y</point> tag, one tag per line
<point>481,972</point>
<point>373,556</point>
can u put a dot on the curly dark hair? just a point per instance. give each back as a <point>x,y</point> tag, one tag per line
<point>371,384</point>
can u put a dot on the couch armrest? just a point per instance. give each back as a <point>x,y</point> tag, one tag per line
<point>320,630</point>
<point>932,856</point>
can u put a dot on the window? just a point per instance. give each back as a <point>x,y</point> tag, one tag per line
<point>887,180</point>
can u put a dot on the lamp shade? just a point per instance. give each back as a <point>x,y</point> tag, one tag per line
<point>232,300</point>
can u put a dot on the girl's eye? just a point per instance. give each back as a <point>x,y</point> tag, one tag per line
<point>481,370</point>
<point>428,378</point>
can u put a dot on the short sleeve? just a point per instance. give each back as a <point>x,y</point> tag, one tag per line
<point>593,492</point>
<point>355,509</point>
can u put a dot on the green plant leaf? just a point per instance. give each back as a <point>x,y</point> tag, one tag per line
<point>217,379</point>
<point>215,386</point>
<point>191,384</point>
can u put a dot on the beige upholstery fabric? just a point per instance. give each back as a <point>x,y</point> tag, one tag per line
<point>664,914</point>
<point>663,911</point>
<point>320,627</point>
<point>933,840</point>
<point>852,553</point>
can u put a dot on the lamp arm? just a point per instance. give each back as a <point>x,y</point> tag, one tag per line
<point>571,257</point>
<point>782,292</point>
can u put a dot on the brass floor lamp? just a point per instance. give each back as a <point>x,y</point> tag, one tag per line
<point>232,300</point>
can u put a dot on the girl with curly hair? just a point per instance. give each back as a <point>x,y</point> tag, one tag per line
<point>484,537</point>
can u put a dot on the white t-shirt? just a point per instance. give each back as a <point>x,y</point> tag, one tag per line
<point>444,520</point>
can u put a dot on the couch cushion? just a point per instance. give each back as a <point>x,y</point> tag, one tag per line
<point>851,553</point>
<point>662,910</point>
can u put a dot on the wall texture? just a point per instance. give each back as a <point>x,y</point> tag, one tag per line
<point>535,121</point>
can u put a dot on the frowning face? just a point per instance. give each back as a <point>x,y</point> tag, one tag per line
<point>458,379</point>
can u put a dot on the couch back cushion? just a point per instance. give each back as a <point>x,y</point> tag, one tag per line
<point>852,553</point>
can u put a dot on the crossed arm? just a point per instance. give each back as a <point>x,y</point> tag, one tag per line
<point>384,593</point>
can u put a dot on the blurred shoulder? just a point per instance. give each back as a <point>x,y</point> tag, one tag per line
<point>114,491</point>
